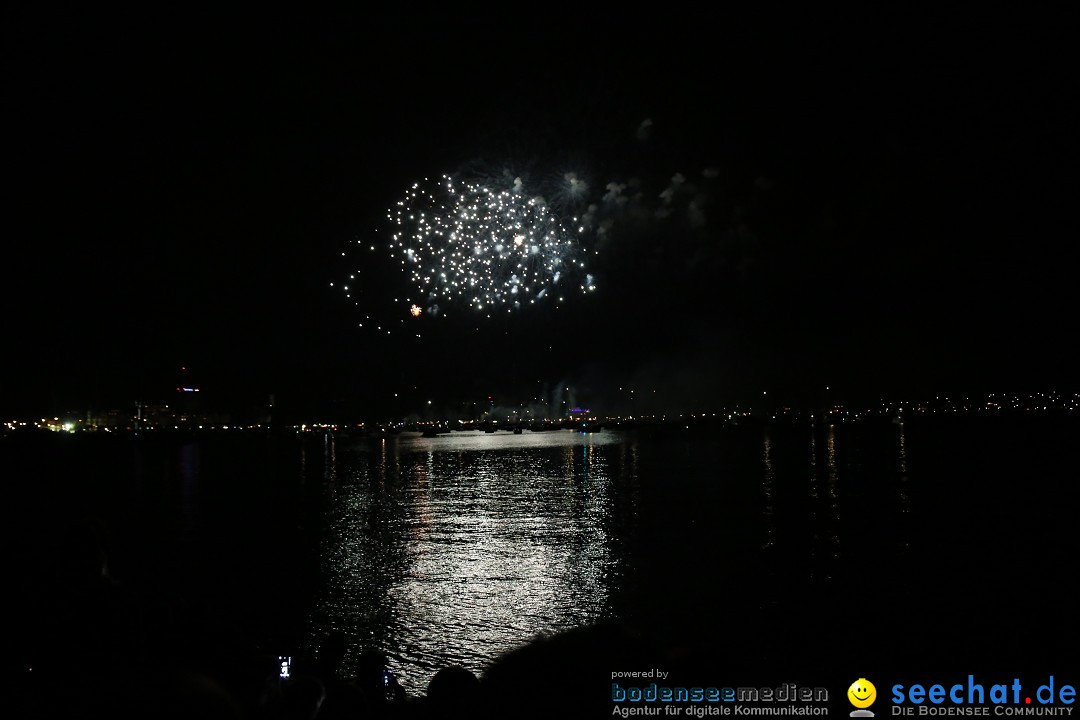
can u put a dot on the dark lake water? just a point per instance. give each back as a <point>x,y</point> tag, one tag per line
<point>951,541</point>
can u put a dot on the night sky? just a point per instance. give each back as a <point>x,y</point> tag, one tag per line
<point>884,205</point>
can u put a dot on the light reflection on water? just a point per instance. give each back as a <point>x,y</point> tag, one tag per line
<point>459,548</point>
<point>767,486</point>
<point>832,484</point>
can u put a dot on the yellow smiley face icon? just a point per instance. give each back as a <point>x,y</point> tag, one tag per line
<point>862,693</point>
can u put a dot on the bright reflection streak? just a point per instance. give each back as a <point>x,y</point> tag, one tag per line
<point>459,548</point>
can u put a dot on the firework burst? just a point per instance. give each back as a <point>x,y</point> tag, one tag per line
<point>466,243</point>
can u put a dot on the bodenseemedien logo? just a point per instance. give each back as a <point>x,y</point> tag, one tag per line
<point>695,701</point>
<point>862,694</point>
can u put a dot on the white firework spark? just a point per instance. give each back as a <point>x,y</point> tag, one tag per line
<point>491,249</point>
